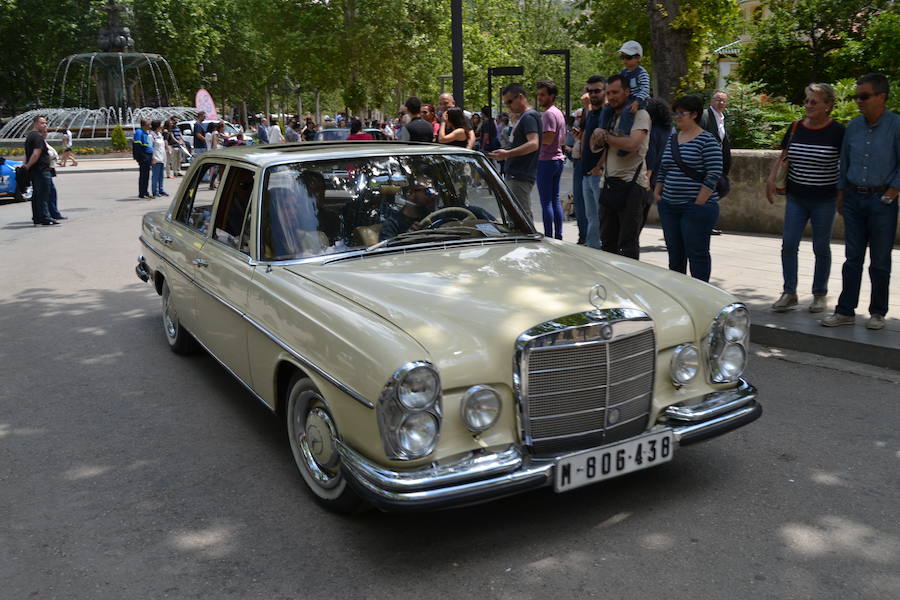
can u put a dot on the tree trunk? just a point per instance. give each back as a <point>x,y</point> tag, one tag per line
<point>670,47</point>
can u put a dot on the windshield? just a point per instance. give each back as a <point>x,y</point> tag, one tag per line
<point>325,207</point>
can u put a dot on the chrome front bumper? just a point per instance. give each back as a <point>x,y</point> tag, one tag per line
<point>488,475</point>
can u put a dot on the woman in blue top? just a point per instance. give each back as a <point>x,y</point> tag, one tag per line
<point>686,194</point>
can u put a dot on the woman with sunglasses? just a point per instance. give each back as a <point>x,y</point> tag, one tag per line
<point>685,190</point>
<point>455,131</point>
<point>812,148</point>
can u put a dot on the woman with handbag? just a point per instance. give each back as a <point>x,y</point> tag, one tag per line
<point>685,191</point>
<point>807,171</point>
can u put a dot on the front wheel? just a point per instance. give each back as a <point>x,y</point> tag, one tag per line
<point>180,341</point>
<point>312,435</point>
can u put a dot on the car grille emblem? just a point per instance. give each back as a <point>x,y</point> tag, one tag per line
<point>597,295</point>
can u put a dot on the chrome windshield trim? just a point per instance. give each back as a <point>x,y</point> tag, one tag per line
<point>470,466</point>
<point>305,362</point>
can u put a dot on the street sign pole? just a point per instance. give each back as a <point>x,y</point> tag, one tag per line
<point>456,41</point>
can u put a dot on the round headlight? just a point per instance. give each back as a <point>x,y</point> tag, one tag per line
<point>419,388</point>
<point>480,408</point>
<point>685,364</point>
<point>737,324</point>
<point>417,433</point>
<point>732,362</point>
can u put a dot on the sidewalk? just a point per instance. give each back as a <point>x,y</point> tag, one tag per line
<point>99,165</point>
<point>748,266</point>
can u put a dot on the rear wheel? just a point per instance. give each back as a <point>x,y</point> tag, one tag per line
<point>180,341</point>
<point>312,434</point>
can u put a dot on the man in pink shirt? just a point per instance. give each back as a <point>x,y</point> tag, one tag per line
<point>550,159</point>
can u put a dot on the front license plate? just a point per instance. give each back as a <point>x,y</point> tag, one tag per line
<point>590,466</point>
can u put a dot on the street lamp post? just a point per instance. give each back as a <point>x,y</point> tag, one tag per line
<point>510,71</point>
<point>456,42</point>
<point>443,78</point>
<point>565,52</point>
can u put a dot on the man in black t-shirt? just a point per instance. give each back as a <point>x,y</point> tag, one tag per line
<point>199,131</point>
<point>522,156</point>
<point>418,129</point>
<point>38,165</point>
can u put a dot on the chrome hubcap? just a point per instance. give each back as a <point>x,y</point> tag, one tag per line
<point>315,434</point>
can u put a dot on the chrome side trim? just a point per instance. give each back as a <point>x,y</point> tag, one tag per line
<point>713,404</point>
<point>471,466</point>
<point>717,426</point>
<point>305,362</point>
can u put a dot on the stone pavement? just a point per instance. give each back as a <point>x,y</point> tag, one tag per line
<point>748,266</point>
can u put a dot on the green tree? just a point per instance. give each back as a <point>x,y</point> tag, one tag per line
<point>803,41</point>
<point>677,35</point>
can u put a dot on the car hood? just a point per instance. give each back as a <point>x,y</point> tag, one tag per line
<point>467,305</point>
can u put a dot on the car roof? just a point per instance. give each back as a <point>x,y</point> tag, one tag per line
<point>266,155</point>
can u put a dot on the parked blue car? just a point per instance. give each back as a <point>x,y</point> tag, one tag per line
<point>8,187</point>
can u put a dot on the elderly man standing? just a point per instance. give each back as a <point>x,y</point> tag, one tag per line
<point>867,198</point>
<point>262,132</point>
<point>713,121</point>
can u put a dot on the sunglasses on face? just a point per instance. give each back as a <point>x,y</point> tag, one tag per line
<point>628,56</point>
<point>864,96</point>
<point>680,113</point>
<point>595,91</point>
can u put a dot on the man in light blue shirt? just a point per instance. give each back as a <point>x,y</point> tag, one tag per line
<point>867,198</point>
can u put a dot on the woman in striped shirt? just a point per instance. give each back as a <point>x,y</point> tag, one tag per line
<point>812,148</point>
<point>686,198</point>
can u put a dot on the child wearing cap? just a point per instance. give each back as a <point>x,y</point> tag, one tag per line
<point>638,80</point>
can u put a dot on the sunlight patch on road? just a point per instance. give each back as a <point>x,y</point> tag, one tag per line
<point>214,542</point>
<point>86,472</point>
<point>103,359</point>
<point>825,478</point>
<point>657,541</point>
<point>837,534</point>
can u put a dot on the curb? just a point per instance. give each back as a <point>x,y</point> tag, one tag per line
<point>856,343</point>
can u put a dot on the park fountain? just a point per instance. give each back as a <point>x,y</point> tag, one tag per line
<point>115,86</point>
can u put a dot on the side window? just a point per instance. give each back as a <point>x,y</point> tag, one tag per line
<point>233,210</point>
<point>195,208</point>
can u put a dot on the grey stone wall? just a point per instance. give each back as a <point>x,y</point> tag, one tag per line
<point>746,209</point>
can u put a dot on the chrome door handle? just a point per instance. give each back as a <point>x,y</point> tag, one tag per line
<point>165,239</point>
<point>200,262</point>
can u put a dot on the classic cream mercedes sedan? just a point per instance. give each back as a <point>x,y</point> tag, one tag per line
<point>424,345</point>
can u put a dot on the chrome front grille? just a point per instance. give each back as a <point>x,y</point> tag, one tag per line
<point>586,382</point>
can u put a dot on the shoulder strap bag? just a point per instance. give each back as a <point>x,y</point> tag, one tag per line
<point>723,186</point>
<point>781,174</point>
<point>618,192</point>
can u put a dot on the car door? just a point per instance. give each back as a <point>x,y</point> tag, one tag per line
<point>184,241</point>
<point>224,271</point>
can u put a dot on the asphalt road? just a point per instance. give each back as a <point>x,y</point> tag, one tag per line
<point>129,472</point>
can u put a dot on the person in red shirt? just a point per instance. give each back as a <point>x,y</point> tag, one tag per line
<point>356,132</point>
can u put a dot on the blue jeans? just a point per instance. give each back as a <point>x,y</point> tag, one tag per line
<point>548,175</point>
<point>52,208</point>
<point>687,228</point>
<point>41,184</point>
<point>578,199</point>
<point>590,186</point>
<point>797,212</point>
<point>156,182</point>
<point>867,222</point>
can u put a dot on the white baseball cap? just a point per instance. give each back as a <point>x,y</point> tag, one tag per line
<point>631,48</point>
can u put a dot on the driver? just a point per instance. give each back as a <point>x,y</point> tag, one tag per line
<point>421,201</point>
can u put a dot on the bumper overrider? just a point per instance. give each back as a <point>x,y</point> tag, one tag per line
<point>489,475</point>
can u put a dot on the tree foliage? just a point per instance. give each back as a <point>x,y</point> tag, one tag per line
<point>804,41</point>
<point>677,35</point>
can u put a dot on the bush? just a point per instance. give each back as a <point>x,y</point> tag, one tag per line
<point>119,141</point>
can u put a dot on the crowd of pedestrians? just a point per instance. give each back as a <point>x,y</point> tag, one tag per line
<point>626,156</point>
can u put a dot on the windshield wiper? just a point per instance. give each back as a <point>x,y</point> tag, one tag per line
<point>409,237</point>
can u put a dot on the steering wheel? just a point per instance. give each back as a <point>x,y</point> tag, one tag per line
<point>429,222</point>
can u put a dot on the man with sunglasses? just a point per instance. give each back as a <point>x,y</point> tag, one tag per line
<point>591,167</point>
<point>522,157</point>
<point>867,198</point>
